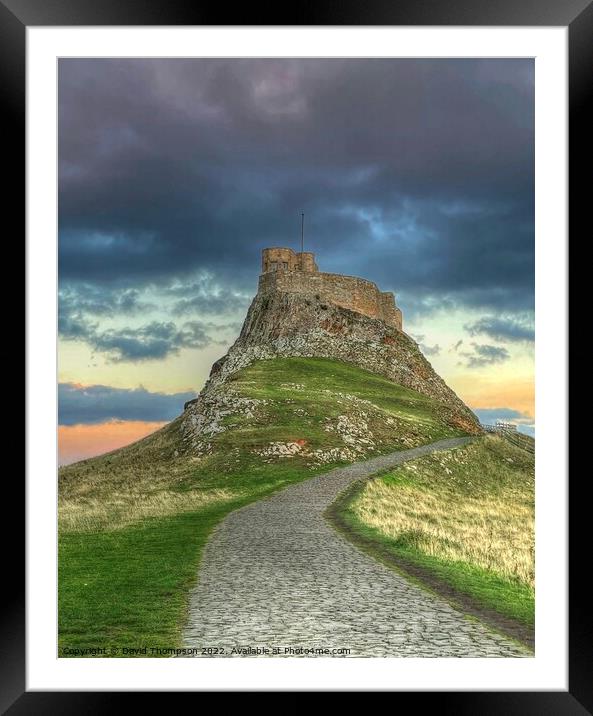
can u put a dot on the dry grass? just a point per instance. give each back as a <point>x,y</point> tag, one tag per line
<point>148,465</point>
<point>141,481</point>
<point>127,508</point>
<point>473,505</point>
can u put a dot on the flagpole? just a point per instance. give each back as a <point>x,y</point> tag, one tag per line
<point>302,232</point>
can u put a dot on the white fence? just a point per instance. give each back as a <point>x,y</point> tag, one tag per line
<point>509,432</point>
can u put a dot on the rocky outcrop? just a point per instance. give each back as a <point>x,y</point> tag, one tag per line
<point>282,324</point>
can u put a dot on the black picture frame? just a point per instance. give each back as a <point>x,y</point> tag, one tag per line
<point>577,15</point>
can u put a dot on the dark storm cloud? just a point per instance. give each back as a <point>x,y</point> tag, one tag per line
<point>83,307</point>
<point>483,355</point>
<point>210,304</point>
<point>85,299</point>
<point>505,329</point>
<point>415,173</point>
<point>101,403</point>
<point>205,296</point>
<point>152,341</point>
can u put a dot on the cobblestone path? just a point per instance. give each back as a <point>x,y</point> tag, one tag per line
<point>276,574</point>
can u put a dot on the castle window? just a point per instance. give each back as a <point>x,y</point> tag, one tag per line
<point>274,265</point>
<point>285,264</point>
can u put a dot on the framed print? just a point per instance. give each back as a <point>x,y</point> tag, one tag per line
<point>296,294</point>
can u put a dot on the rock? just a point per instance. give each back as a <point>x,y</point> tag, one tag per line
<point>284,324</point>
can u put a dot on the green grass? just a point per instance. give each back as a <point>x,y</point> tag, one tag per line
<point>133,523</point>
<point>127,588</point>
<point>324,379</point>
<point>465,516</point>
<point>304,393</point>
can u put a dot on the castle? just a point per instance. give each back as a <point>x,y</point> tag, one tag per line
<point>301,312</point>
<point>288,271</point>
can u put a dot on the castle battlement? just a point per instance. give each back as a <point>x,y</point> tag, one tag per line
<point>288,271</point>
<point>281,259</point>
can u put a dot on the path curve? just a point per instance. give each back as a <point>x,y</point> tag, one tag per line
<point>275,574</point>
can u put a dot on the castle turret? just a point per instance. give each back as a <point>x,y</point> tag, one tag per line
<point>306,261</point>
<point>286,271</point>
<point>282,259</point>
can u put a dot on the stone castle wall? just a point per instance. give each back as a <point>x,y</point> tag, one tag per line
<point>355,294</point>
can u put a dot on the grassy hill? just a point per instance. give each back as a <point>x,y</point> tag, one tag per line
<point>132,523</point>
<point>462,519</point>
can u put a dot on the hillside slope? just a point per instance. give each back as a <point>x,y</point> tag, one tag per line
<point>300,412</point>
<point>281,324</point>
<point>133,522</point>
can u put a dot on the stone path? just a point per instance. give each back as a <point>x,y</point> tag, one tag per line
<point>275,574</point>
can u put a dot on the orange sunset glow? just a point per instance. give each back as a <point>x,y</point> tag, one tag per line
<point>78,442</point>
<point>519,395</point>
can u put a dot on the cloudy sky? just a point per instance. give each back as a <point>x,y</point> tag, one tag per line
<point>174,174</point>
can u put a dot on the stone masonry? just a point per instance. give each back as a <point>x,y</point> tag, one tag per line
<point>289,272</point>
